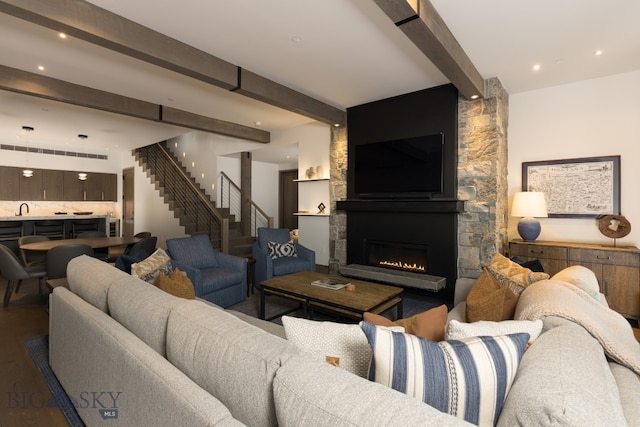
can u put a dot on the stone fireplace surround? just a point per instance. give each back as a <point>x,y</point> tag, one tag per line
<point>467,229</point>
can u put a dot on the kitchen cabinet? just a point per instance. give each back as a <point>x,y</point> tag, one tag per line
<point>45,184</point>
<point>10,179</point>
<point>616,268</point>
<point>97,187</point>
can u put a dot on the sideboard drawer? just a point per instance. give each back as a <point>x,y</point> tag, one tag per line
<point>537,251</point>
<point>597,256</point>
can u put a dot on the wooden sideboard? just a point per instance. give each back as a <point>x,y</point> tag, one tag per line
<point>617,268</point>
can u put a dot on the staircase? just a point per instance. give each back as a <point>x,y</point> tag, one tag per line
<point>189,203</point>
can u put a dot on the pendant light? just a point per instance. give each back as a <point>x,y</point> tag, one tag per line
<point>82,176</point>
<point>27,172</point>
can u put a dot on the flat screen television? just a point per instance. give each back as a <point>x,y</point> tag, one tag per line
<point>404,168</point>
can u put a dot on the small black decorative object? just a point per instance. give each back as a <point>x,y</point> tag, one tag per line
<point>321,208</point>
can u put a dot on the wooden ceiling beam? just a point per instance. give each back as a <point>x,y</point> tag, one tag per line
<point>19,81</point>
<point>424,26</point>
<point>95,25</point>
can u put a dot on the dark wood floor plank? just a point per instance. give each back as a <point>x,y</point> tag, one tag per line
<point>23,392</point>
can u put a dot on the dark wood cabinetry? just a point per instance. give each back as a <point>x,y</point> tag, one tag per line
<point>96,188</point>
<point>10,179</point>
<point>617,268</point>
<point>55,185</point>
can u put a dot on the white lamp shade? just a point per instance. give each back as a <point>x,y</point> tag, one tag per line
<point>529,204</point>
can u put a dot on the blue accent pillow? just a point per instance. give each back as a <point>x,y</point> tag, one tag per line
<point>124,262</point>
<point>467,378</point>
<point>533,265</point>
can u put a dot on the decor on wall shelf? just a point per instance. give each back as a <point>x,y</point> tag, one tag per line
<point>585,187</point>
<point>321,208</point>
<point>613,226</point>
<point>311,173</point>
<point>319,172</point>
<point>529,205</point>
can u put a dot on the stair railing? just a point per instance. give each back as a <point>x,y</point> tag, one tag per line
<point>195,206</point>
<point>230,198</point>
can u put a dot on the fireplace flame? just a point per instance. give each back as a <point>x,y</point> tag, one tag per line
<point>403,266</point>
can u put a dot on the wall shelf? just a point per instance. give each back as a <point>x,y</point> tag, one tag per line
<point>310,214</point>
<point>311,180</point>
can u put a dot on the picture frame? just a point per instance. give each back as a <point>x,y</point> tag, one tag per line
<point>576,188</point>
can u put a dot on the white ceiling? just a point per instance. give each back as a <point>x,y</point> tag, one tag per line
<point>348,53</point>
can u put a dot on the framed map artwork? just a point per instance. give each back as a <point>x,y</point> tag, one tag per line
<point>586,187</point>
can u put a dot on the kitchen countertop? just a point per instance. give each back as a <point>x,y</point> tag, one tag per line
<point>29,217</point>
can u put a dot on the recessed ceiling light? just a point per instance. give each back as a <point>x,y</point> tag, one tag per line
<point>41,67</point>
<point>475,96</point>
<point>559,61</point>
<point>62,35</point>
<point>536,67</point>
<point>296,39</point>
<point>257,123</point>
<point>598,52</point>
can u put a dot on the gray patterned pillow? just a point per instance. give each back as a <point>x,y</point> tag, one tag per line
<point>279,250</point>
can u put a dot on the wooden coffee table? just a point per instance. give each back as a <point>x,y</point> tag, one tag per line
<point>366,296</point>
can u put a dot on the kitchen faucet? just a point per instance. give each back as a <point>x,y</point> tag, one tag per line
<point>24,204</point>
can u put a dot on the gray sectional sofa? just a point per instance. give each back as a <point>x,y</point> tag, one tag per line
<point>131,354</point>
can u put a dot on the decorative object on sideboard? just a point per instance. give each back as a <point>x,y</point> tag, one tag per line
<point>613,226</point>
<point>321,208</point>
<point>311,173</point>
<point>529,205</point>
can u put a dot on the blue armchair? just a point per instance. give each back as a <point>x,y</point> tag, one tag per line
<point>268,267</point>
<point>216,276</point>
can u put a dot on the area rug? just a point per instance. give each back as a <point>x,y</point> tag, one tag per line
<point>38,348</point>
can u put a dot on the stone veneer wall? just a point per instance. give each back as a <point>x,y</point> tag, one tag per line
<point>482,178</point>
<point>482,181</point>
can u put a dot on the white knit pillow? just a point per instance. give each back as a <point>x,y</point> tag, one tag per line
<point>458,330</point>
<point>322,339</point>
<point>581,277</point>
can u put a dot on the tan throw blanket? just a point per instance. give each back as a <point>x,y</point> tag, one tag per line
<point>562,299</point>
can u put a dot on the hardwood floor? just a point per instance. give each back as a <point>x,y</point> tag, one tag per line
<point>23,392</point>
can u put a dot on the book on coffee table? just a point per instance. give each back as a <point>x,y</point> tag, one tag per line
<point>331,283</point>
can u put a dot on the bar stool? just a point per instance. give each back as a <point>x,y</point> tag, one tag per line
<point>82,225</point>
<point>10,232</point>
<point>52,228</point>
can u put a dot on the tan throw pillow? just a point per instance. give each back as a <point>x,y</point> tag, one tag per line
<point>513,275</point>
<point>152,266</point>
<point>428,325</point>
<point>177,284</point>
<point>489,300</point>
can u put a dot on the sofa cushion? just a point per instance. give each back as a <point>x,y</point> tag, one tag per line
<point>102,275</point>
<point>143,309</point>
<point>93,355</point>
<point>232,360</point>
<point>312,393</point>
<point>328,339</point>
<point>489,300</point>
<point>573,384</point>
<point>214,279</point>
<point>429,324</point>
<point>468,379</point>
<point>155,264</point>
<point>513,275</point>
<point>195,251</point>
<point>279,250</point>
<point>458,330</point>
<point>176,284</point>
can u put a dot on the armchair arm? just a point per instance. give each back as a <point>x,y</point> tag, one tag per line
<point>264,265</point>
<point>307,254</point>
<point>192,273</point>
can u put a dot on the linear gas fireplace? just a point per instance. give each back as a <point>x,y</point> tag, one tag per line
<point>397,256</point>
<point>404,264</point>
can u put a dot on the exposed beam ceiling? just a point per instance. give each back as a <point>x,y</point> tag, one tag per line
<point>420,21</point>
<point>95,25</point>
<point>23,82</point>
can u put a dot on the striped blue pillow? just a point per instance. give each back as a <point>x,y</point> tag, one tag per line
<point>468,379</point>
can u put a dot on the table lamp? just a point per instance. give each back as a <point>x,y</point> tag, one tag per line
<point>529,205</point>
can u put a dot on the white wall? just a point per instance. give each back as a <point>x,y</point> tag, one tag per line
<point>599,117</point>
